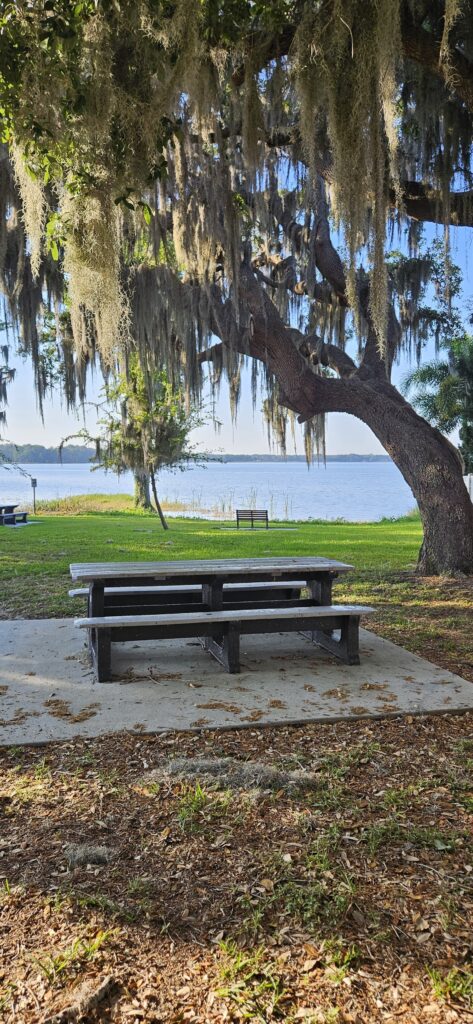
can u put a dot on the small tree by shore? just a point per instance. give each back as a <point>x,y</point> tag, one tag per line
<point>144,428</point>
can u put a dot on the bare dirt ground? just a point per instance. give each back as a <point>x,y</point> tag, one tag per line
<point>318,874</point>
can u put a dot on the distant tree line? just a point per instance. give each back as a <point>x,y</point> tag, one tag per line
<point>34,453</point>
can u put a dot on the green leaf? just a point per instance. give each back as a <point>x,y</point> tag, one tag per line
<point>147,213</point>
<point>439,845</point>
<point>54,250</point>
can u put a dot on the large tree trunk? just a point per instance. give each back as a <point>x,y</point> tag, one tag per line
<point>428,462</point>
<point>433,469</point>
<point>142,491</point>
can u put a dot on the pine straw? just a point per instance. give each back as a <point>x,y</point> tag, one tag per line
<point>357,893</point>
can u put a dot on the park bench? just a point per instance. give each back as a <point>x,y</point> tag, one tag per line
<point>252,515</point>
<point>222,630</point>
<point>12,518</point>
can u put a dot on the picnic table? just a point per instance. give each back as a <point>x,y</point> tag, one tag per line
<point>216,600</point>
<point>8,516</point>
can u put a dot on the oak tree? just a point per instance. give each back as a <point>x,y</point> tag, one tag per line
<point>215,181</point>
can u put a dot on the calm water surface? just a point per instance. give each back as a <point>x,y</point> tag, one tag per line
<point>354,491</point>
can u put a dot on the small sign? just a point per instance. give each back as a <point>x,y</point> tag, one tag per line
<point>34,482</point>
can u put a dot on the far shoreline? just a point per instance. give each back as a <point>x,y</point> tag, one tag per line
<point>34,455</point>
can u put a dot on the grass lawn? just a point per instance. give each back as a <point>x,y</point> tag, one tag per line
<point>428,616</point>
<point>336,891</point>
<point>34,561</point>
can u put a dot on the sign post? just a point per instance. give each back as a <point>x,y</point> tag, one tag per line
<point>34,483</point>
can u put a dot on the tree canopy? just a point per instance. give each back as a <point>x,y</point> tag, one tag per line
<point>158,143</point>
<point>174,173</point>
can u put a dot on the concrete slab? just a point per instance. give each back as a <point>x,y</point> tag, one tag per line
<point>47,688</point>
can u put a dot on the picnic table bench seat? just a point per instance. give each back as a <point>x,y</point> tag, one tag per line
<point>146,598</point>
<point>222,629</point>
<point>193,588</point>
<point>252,515</point>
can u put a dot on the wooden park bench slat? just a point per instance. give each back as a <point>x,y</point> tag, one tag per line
<point>252,515</point>
<point>223,629</point>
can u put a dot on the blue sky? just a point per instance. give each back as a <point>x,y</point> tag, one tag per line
<point>344,433</point>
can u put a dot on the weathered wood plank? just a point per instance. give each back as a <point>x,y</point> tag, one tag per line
<point>235,615</point>
<point>192,588</point>
<point>90,571</point>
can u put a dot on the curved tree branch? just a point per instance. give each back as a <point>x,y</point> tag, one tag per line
<point>419,200</point>
<point>420,46</point>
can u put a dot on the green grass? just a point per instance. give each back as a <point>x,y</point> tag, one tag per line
<point>199,809</point>
<point>34,561</point>
<point>454,986</point>
<point>319,890</point>
<point>253,984</point>
<point>56,967</point>
<point>385,833</point>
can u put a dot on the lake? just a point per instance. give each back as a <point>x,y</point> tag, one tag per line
<point>366,491</point>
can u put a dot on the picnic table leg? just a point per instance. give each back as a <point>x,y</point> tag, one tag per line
<point>99,639</point>
<point>347,648</point>
<point>226,649</point>
<point>231,648</point>
<point>95,607</point>
<point>212,597</point>
<point>320,590</point>
<point>103,655</point>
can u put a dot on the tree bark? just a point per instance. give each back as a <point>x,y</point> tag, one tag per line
<point>142,491</point>
<point>433,469</point>
<point>429,463</point>
<point>157,501</point>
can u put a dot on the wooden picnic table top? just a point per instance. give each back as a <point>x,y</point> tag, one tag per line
<point>7,508</point>
<point>275,568</point>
